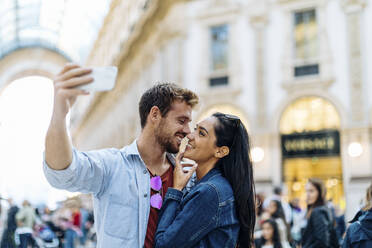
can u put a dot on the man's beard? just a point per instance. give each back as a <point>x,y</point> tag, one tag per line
<point>165,140</point>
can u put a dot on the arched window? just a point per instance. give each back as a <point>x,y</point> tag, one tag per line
<point>25,111</point>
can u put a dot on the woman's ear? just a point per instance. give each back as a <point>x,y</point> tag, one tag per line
<point>222,152</point>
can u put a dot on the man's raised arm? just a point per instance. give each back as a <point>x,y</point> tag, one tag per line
<point>58,148</point>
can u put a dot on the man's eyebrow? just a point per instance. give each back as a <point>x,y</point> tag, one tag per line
<point>203,128</point>
<point>184,117</point>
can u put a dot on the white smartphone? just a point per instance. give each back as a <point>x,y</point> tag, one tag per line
<point>104,79</point>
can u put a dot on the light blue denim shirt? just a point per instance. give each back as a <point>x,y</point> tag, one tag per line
<point>120,184</point>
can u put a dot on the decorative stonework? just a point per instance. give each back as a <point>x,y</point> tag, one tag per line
<point>353,10</point>
<point>325,78</point>
<point>353,6</point>
<point>212,14</point>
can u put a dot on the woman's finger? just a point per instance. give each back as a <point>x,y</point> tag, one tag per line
<point>191,171</point>
<point>187,164</point>
<point>179,158</point>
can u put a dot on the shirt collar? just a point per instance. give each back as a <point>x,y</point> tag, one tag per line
<point>132,149</point>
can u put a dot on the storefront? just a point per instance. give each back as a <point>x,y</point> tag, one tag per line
<point>310,147</point>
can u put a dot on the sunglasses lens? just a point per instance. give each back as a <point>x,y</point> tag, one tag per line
<point>156,183</point>
<point>232,117</point>
<point>156,201</point>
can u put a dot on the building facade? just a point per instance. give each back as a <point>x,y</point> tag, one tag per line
<point>296,72</point>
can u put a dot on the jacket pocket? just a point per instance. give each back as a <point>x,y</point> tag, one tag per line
<point>121,220</point>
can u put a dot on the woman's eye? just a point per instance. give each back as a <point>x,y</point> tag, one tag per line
<point>201,133</point>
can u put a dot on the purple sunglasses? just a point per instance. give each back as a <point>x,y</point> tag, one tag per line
<point>156,200</point>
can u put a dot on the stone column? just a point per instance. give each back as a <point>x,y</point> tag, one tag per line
<point>353,10</point>
<point>259,24</point>
<point>357,170</point>
<point>267,171</point>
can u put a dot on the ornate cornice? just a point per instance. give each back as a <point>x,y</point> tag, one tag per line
<point>352,6</point>
<point>308,83</point>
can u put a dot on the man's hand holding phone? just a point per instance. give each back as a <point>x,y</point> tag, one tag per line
<point>65,91</point>
<point>71,82</point>
<point>75,80</point>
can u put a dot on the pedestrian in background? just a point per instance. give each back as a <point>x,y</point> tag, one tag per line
<point>278,195</point>
<point>298,216</point>
<point>270,235</point>
<point>359,233</point>
<point>7,240</point>
<point>26,220</point>
<point>320,229</point>
<point>276,212</point>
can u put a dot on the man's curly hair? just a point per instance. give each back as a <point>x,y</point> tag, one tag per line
<point>163,95</point>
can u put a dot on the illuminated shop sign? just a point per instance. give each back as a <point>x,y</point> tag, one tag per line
<point>311,144</point>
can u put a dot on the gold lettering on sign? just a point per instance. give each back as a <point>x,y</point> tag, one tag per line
<point>330,143</point>
<point>310,144</point>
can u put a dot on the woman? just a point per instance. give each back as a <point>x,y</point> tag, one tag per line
<point>219,211</point>
<point>276,212</point>
<point>319,231</point>
<point>270,235</point>
<point>359,233</point>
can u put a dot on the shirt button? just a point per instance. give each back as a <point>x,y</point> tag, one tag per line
<point>144,171</point>
<point>145,195</point>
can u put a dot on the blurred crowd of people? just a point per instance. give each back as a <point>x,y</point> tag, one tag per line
<point>282,224</point>
<point>69,226</point>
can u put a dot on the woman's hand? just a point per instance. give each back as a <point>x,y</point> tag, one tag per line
<point>181,177</point>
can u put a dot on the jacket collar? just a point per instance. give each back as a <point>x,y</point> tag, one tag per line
<point>213,172</point>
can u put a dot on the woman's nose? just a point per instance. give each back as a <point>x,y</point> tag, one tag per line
<point>190,136</point>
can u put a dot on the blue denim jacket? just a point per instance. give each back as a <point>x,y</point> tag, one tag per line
<point>203,217</point>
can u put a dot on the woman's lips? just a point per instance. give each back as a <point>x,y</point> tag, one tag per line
<point>189,147</point>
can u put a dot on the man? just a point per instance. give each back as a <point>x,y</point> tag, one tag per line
<point>26,218</point>
<point>120,179</point>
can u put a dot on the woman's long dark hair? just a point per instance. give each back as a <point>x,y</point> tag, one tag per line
<point>368,205</point>
<point>236,167</point>
<point>279,213</point>
<point>276,236</point>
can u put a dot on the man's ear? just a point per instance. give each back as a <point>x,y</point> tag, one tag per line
<point>222,152</point>
<point>155,114</point>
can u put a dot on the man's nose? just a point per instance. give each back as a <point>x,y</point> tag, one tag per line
<point>186,129</point>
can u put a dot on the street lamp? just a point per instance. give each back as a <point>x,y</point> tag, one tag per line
<point>355,149</point>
